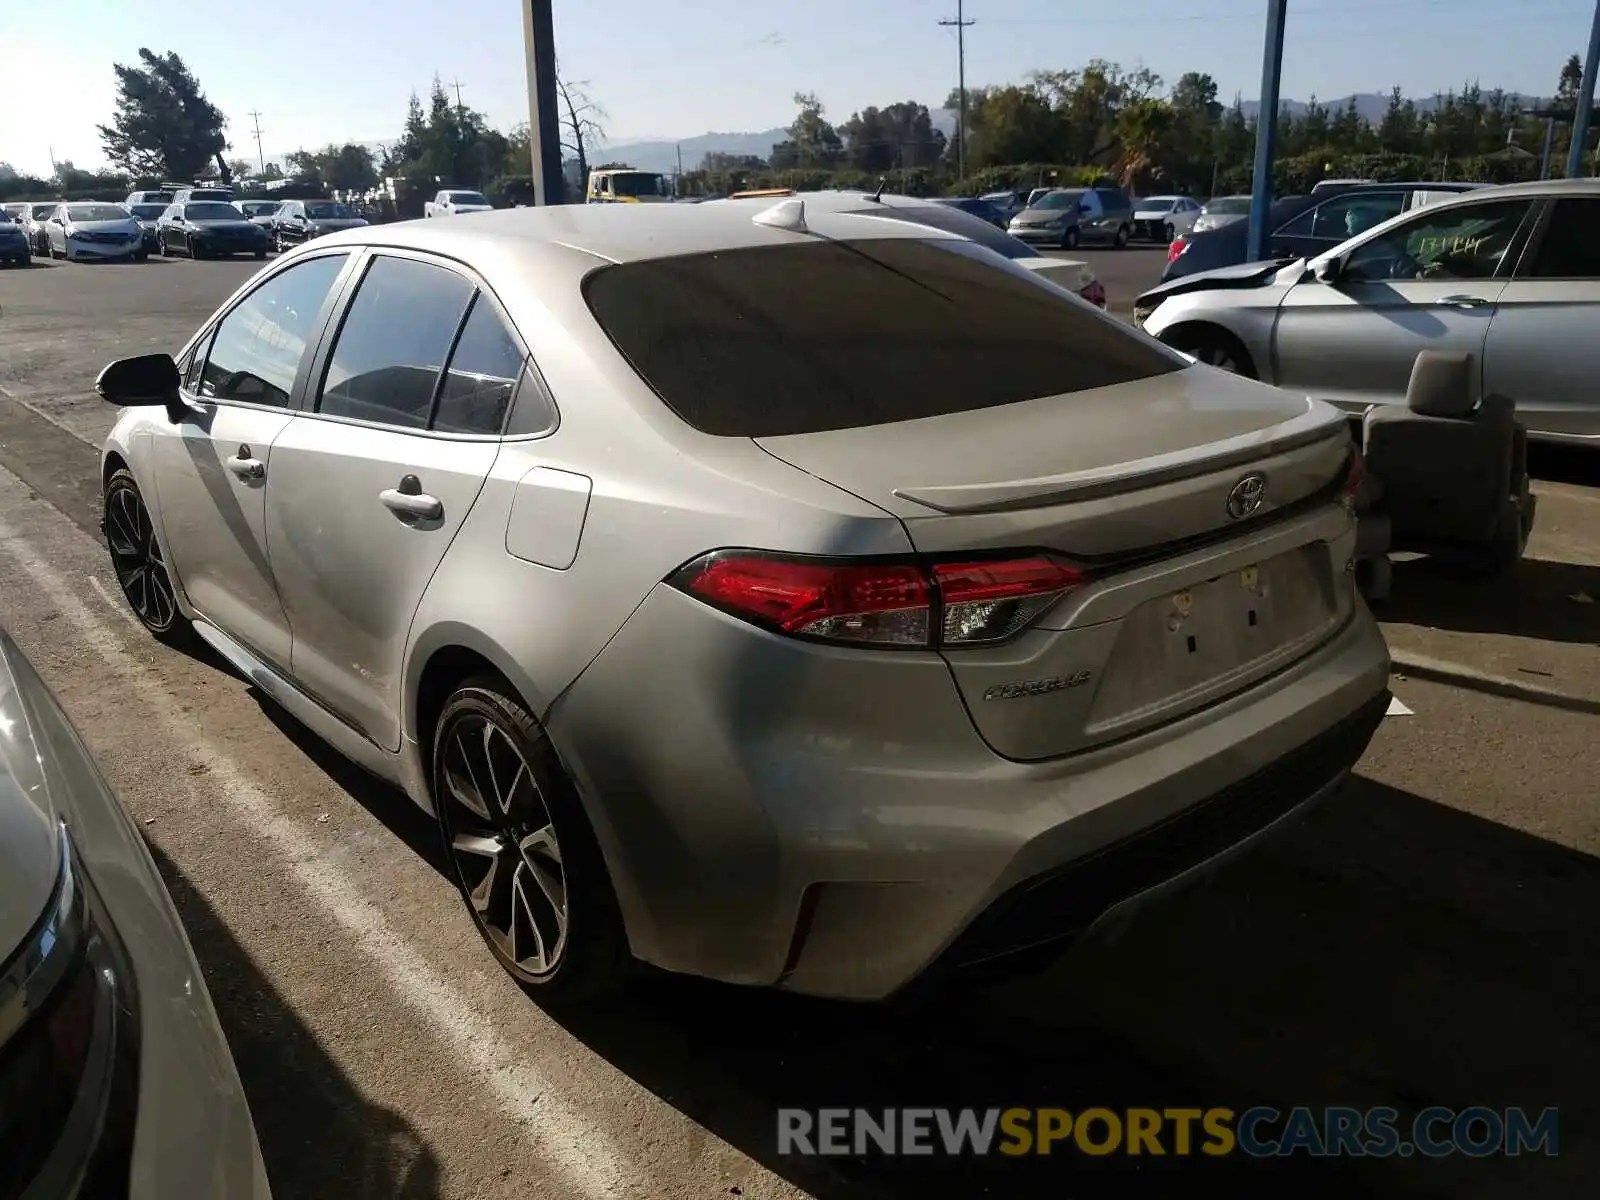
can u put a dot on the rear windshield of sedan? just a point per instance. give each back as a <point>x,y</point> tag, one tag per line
<point>838,335</point>
<point>215,211</point>
<point>329,212</point>
<point>97,212</point>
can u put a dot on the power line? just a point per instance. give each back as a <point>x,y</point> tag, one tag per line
<point>961,24</point>
<point>261,158</point>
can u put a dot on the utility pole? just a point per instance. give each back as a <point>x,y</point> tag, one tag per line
<point>261,157</point>
<point>544,122</point>
<point>961,23</point>
<point>1266,129</point>
<point>1580,118</point>
<point>457,85</point>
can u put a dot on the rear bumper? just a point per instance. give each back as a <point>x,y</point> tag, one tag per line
<point>828,821</point>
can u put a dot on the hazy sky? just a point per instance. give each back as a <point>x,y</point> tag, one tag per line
<point>735,65</point>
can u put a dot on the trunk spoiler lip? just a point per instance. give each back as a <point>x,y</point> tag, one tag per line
<point>1320,423</point>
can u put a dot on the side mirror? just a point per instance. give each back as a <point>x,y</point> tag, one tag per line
<point>142,380</point>
<point>1328,270</point>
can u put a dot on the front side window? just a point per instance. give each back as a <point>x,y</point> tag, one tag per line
<point>1466,242</point>
<point>483,373</point>
<point>1345,216</point>
<point>1571,245</point>
<point>849,334</point>
<point>258,346</point>
<point>393,342</point>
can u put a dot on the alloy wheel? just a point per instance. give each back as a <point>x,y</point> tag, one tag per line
<point>503,846</point>
<point>137,559</point>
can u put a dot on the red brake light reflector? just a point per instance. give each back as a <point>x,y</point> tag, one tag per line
<point>890,604</point>
<point>1174,251</point>
<point>885,604</point>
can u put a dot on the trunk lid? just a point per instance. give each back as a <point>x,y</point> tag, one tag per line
<point>1187,599</point>
<point>1099,473</point>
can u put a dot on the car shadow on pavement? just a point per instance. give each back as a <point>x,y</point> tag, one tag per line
<point>387,803</point>
<point>318,1135</point>
<point>1534,601</point>
<point>1385,951</point>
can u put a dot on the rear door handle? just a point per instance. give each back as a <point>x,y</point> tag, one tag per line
<point>245,466</point>
<point>1464,301</point>
<point>409,500</point>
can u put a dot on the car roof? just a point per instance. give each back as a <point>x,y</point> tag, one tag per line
<point>631,233</point>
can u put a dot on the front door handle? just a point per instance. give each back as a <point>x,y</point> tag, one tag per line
<point>245,466</point>
<point>1464,301</point>
<point>409,500</point>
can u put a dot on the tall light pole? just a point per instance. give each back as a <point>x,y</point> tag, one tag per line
<point>1580,119</point>
<point>961,24</point>
<point>544,120</point>
<point>1266,129</point>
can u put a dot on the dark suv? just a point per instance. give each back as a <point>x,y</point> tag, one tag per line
<point>1305,226</point>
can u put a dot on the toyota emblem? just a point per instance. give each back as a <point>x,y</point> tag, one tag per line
<point>1247,495</point>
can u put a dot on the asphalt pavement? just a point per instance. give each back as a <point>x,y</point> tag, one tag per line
<point>1427,937</point>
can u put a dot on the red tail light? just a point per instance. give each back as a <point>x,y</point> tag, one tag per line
<point>883,604</point>
<point>1094,292</point>
<point>1175,251</point>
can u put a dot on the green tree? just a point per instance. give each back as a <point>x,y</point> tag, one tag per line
<point>813,143</point>
<point>349,168</point>
<point>163,124</point>
<point>448,143</point>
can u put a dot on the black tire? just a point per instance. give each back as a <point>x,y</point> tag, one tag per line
<point>1121,240</point>
<point>161,248</point>
<point>261,254</point>
<point>138,560</point>
<point>1069,240</point>
<point>192,248</point>
<point>1168,232</point>
<point>277,242</point>
<point>483,723</point>
<point>141,257</point>
<point>1215,347</point>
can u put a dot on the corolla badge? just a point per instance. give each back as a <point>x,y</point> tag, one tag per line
<point>1247,495</point>
<point>1037,687</point>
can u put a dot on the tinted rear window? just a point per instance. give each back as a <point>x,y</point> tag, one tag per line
<point>801,339</point>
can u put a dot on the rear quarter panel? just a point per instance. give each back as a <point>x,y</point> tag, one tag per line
<point>660,494</point>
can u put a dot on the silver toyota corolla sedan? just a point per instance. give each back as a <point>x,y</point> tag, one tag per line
<point>786,597</point>
<point>1508,274</point>
<point>115,1079</point>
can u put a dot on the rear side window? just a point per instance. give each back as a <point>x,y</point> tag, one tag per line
<point>393,343</point>
<point>483,373</point>
<point>838,335</point>
<point>1571,245</point>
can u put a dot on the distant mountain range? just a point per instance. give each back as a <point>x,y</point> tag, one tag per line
<point>662,154</point>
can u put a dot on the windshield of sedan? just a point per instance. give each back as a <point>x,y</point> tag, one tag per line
<point>1229,206</point>
<point>214,211</point>
<point>261,208</point>
<point>849,334</point>
<point>1158,204</point>
<point>147,212</point>
<point>96,212</point>
<point>40,211</point>
<point>468,198</point>
<point>1059,200</point>
<point>339,212</point>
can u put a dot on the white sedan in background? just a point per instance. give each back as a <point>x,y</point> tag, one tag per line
<point>93,231</point>
<point>1162,218</point>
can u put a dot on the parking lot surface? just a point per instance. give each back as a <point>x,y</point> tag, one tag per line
<point>1426,938</point>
